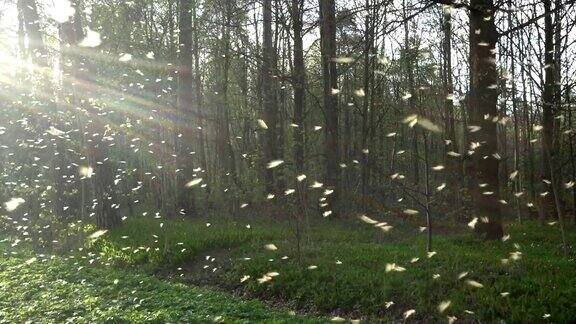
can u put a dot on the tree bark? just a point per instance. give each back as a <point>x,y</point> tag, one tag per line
<point>36,46</point>
<point>331,111</point>
<point>270,101</point>
<point>299,83</point>
<point>452,163</point>
<point>548,206</point>
<point>484,99</point>
<point>185,143</point>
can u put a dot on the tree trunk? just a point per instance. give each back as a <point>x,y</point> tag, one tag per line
<point>547,202</point>
<point>484,99</point>
<point>299,82</point>
<point>331,111</point>
<point>518,180</point>
<point>200,114</point>
<point>36,47</point>
<point>368,44</point>
<point>452,163</point>
<point>223,144</point>
<point>269,94</point>
<point>185,143</point>
<point>413,97</point>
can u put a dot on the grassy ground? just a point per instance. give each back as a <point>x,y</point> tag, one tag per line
<point>342,270</point>
<point>58,291</point>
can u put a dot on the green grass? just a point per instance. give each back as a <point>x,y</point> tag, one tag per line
<point>58,290</point>
<point>541,282</point>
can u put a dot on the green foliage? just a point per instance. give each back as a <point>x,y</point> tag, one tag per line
<point>540,282</point>
<point>56,291</point>
<point>145,241</point>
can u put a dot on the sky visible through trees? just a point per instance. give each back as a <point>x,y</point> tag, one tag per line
<point>286,150</point>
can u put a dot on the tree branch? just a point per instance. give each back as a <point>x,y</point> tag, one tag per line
<point>533,20</point>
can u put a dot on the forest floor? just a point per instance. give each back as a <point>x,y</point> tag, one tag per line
<point>353,270</point>
<point>58,290</point>
<point>213,269</point>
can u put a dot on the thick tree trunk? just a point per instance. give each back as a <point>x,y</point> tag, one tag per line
<point>547,201</point>
<point>484,99</point>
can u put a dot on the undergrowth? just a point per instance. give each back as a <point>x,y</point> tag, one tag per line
<point>342,270</point>
<point>56,290</point>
